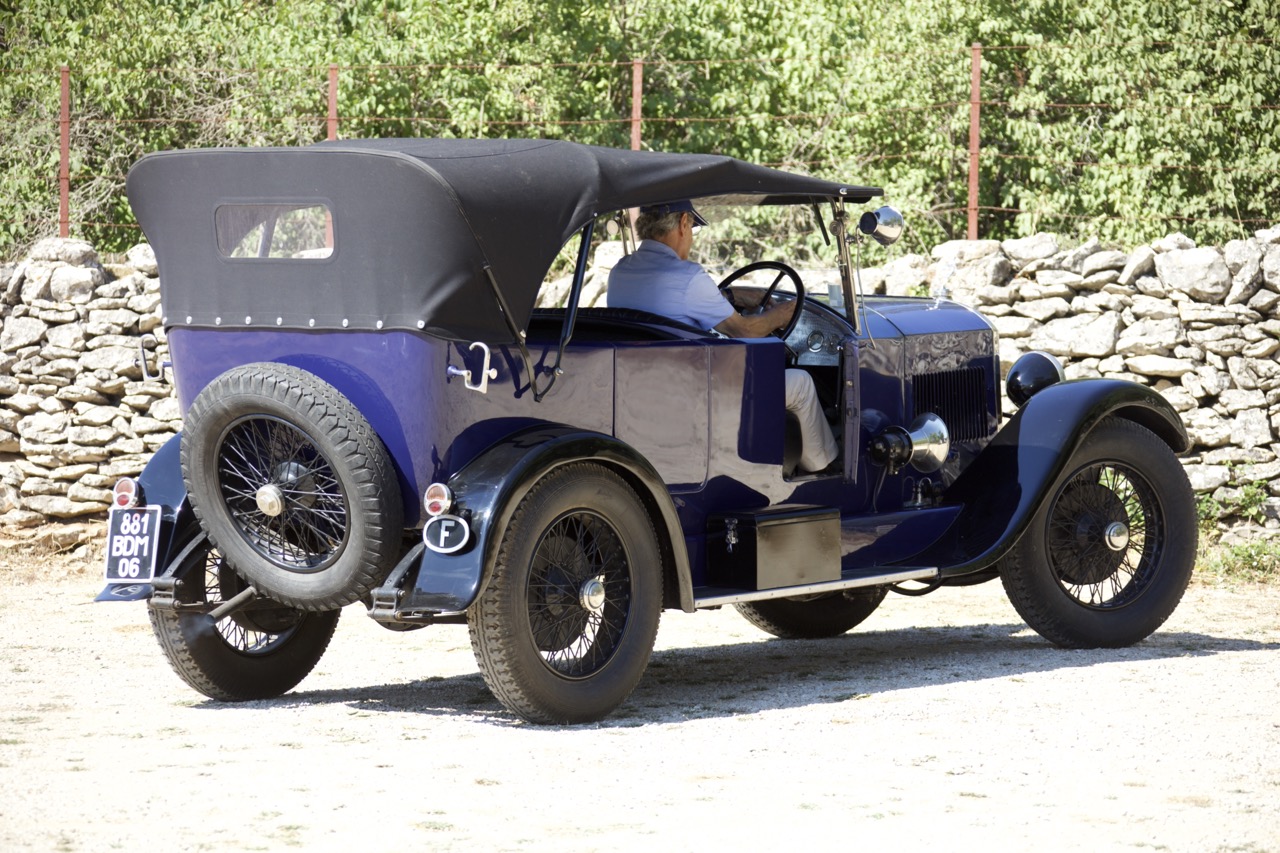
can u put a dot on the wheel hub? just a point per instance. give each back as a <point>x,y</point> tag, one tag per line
<point>591,595</point>
<point>1116,536</point>
<point>270,500</point>
<point>562,613</point>
<point>299,480</point>
<point>293,476</point>
<point>1094,535</point>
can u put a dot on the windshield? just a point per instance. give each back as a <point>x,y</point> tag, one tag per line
<point>739,231</point>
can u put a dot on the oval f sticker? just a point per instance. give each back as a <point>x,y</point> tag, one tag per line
<point>446,534</point>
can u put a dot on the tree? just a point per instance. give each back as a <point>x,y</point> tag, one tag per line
<point>1125,120</point>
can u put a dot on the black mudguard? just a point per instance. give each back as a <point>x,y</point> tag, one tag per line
<point>1003,488</point>
<point>162,486</point>
<point>488,490</point>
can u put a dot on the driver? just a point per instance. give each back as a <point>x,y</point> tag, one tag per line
<point>658,277</point>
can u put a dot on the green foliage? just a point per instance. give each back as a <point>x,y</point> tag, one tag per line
<point>1208,510</point>
<point>1251,502</point>
<point>1248,503</point>
<point>1170,105</point>
<point>1174,123</point>
<point>1251,562</point>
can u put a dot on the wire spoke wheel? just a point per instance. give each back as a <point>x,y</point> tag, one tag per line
<point>1105,535</point>
<point>1109,554</point>
<point>565,625</point>
<point>579,593</point>
<point>255,630</point>
<point>292,484</point>
<point>282,493</point>
<point>257,652</point>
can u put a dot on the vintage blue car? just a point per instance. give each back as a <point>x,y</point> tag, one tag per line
<point>377,412</point>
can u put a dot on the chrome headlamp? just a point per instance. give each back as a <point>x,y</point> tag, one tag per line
<point>884,225</point>
<point>1031,374</point>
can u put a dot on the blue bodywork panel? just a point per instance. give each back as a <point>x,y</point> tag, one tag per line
<point>697,423</point>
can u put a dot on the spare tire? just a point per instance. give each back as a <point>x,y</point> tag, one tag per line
<point>292,486</point>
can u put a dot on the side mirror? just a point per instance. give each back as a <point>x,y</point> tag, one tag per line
<point>883,225</point>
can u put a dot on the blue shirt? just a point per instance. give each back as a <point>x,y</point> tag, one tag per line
<point>654,279</point>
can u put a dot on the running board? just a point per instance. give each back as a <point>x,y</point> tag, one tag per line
<point>721,597</point>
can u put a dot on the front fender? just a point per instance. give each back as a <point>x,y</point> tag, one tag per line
<point>1003,488</point>
<point>162,486</point>
<point>491,486</point>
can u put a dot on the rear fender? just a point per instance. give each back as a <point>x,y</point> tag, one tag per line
<point>1003,488</point>
<point>162,486</point>
<point>491,486</point>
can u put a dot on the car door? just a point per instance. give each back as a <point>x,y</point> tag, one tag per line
<point>661,399</point>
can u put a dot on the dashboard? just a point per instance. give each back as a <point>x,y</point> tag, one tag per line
<point>817,336</point>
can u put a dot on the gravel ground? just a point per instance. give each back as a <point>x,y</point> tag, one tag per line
<point>942,722</point>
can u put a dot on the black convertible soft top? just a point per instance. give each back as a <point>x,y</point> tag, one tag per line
<point>416,228</point>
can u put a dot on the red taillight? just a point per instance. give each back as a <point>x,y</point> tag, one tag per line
<point>438,499</point>
<point>125,493</point>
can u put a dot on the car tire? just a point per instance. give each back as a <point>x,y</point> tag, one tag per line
<point>292,484</point>
<point>564,628</point>
<point>1110,552</point>
<point>812,618</point>
<point>259,652</point>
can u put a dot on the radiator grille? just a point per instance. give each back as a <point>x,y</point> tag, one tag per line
<point>959,397</point>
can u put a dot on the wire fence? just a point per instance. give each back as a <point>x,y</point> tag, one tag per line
<point>968,148</point>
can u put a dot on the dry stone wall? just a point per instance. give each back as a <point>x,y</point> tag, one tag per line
<point>1199,324</point>
<point>75,413</point>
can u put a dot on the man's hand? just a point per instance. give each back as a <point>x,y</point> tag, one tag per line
<point>745,299</point>
<point>757,325</point>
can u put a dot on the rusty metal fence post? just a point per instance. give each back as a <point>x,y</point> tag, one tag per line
<point>637,95</point>
<point>975,107</point>
<point>333,103</point>
<point>64,155</point>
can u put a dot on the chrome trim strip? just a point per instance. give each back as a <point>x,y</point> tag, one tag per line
<point>814,588</point>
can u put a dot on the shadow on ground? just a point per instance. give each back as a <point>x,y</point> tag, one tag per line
<point>727,680</point>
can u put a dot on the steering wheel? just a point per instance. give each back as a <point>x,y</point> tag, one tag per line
<point>784,271</point>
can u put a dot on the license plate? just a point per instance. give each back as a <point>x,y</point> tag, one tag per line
<point>132,538</point>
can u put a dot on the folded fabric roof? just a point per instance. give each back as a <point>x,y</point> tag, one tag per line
<point>415,223</point>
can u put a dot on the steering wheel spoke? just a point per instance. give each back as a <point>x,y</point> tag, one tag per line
<point>784,271</point>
